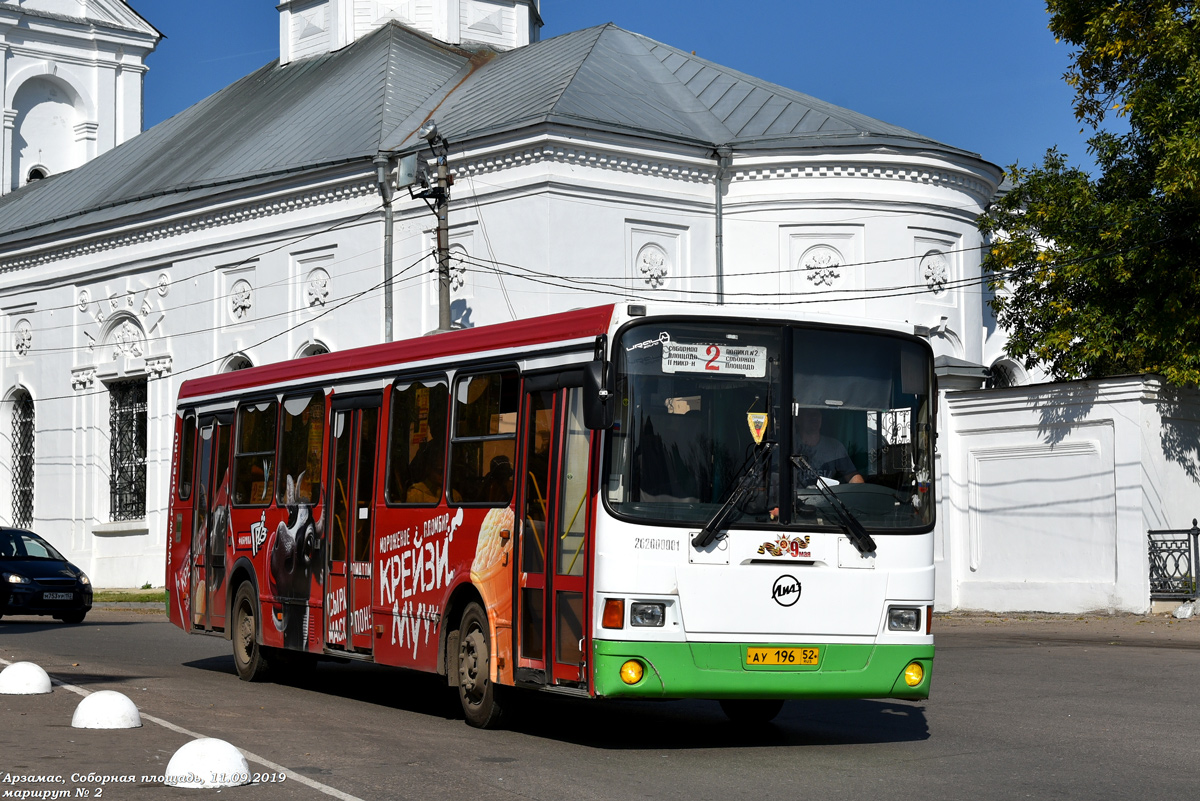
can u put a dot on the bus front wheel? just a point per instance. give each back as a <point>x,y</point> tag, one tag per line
<point>475,688</point>
<point>248,656</point>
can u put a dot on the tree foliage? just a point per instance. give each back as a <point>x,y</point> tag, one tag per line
<point>1100,275</point>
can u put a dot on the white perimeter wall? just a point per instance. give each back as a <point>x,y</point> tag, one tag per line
<point>1048,491</point>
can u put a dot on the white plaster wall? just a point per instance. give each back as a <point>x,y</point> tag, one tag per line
<point>1054,487</point>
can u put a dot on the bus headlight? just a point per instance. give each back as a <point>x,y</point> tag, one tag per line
<point>632,672</point>
<point>914,674</point>
<point>904,618</point>
<point>647,614</point>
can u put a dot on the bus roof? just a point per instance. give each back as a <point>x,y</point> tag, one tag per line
<point>565,326</point>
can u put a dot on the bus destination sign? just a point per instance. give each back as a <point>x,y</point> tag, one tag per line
<point>749,361</point>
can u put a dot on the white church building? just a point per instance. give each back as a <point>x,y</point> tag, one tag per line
<point>593,167</point>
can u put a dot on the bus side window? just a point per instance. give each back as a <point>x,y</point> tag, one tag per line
<point>254,454</point>
<point>484,447</point>
<point>301,449</point>
<point>187,451</point>
<point>417,442</point>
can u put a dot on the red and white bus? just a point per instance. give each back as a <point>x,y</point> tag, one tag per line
<point>624,501</point>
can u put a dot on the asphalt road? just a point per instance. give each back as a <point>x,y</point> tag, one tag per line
<point>1040,707</point>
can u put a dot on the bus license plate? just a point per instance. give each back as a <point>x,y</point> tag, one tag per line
<point>783,656</point>
<point>58,596</point>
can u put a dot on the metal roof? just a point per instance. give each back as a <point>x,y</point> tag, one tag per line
<point>372,96</point>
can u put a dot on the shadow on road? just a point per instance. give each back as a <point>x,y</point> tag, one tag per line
<point>616,725</point>
<point>38,623</point>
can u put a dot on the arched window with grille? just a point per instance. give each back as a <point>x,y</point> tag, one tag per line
<point>22,458</point>
<point>127,450</point>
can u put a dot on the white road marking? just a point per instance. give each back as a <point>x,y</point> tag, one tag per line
<point>249,755</point>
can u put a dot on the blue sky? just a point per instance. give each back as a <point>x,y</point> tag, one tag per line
<point>982,75</point>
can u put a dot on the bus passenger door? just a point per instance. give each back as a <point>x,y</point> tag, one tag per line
<point>219,529</point>
<point>202,498</point>
<point>554,540</point>
<point>348,581</point>
<point>210,525</point>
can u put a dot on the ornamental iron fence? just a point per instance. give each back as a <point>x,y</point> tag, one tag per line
<point>1173,560</point>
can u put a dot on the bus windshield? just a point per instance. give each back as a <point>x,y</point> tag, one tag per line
<point>846,408</point>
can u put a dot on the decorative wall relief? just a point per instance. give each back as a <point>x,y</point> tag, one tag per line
<point>83,378</point>
<point>241,299</point>
<point>127,339</point>
<point>822,263</point>
<point>822,266</point>
<point>935,269</point>
<point>312,276</point>
<point>317,287</point>
<point>658,260</point>
<point>652,263</point>
<point>22,338</point>
<point>105,305</point>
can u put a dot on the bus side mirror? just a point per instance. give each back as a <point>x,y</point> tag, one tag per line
<point>599,401</point>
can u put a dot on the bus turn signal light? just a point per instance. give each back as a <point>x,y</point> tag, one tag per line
<point>614,614</point>
<point>914,674</point>
<point>632,672</point>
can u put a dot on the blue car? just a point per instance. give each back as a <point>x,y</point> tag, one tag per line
<point>35,579</point>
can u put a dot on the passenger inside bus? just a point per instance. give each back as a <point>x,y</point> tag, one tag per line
<point>426,472</point>
<point>498,483</point>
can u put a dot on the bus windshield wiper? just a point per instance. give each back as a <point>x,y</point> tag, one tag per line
<point>854,529</point>
<point>747,477</point>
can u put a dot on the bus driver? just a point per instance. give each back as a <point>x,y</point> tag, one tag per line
<point>826,457</point>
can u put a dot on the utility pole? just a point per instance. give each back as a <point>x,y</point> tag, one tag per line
<point>385,192</point>
<point>442,210</point>
<point>440,195</point>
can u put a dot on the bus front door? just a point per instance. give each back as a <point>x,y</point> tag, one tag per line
<point>554,539</point>
<point>348,579</point>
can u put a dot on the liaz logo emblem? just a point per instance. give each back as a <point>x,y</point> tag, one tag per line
<point>786,591</point>
<point>258,534</point>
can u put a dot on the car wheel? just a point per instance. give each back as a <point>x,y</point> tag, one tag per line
<point>751,710</point>
<point>248,656</point>
<point>476,691</point>
<point>72,617</point>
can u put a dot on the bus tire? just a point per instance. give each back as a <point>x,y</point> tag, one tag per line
<point>751,710</point>
<point>476,691</point>
<point>248,656</point>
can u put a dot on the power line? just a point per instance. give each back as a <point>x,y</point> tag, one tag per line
<point>276,335</point>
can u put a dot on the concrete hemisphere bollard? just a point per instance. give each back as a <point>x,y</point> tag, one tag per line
<point>208,762</point>
<point>24,678</point>
<point>106,709</point>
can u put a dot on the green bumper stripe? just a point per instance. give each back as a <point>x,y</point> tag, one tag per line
<point>718,670</point>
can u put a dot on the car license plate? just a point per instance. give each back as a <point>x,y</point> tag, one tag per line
<point>59,596</point>
<point>783,656</point>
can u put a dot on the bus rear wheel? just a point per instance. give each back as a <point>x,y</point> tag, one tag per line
<point>248,656</point>
<point>476,691</point>
<point>751,710</point>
